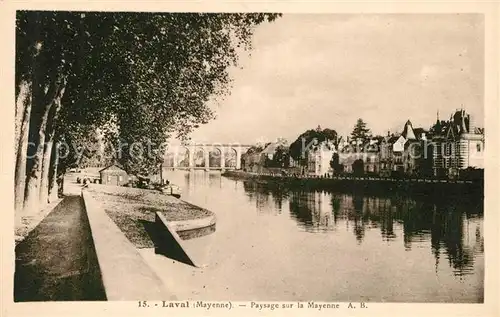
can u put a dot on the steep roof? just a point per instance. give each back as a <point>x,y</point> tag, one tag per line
<point>459,123</point>
<point>271,147</point>
<point>112,165</point>
<point>408,132</point>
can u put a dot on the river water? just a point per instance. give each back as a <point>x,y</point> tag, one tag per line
<point>276,244</point>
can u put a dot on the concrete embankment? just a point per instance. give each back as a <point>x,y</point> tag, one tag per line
<point>125,274</point>
<point>57,261</point>
<point>172,244</point>
<point>125,220</point>
<point>133,210</point>
<point>367,184</point>
<point>78,252</point>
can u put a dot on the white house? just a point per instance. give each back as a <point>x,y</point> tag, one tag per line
<point>319,159</point>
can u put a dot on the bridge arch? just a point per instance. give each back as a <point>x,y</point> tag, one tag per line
<point>183,158</point>
<point>215,157</point>
<point>206,156</point>
<point>231,157</point>
<point>199,157</point>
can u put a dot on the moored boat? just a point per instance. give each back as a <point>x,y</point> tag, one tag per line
<point>172,190</point>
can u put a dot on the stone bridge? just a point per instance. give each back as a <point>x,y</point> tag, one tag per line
<point>206,156</point>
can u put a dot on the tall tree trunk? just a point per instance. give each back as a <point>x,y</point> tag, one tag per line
<point>44,176</point>
<point>46,163</point>
<point>34,177</point>
<point>53,186</point>
<point>23,115</point>
<point>23,97</point>
<point>35,170</point>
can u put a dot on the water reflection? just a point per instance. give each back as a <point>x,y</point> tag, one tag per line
<point>201,180</point>
<point>452,228</point>
<point>266,198</point>
<point>311,211</point>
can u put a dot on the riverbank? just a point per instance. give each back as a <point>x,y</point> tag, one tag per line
<point>417,186</point>
<point>133,210</point>
<point>277,244</point>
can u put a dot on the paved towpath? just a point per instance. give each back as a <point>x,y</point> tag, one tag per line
<point>57,261</point>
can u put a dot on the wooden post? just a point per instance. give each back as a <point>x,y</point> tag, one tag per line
<point>161,173</point>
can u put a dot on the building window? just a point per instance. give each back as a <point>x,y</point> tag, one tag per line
<point>478,147</point>
<point>120,178</point>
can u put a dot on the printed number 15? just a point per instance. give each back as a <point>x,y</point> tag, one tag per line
<point>143,303</point>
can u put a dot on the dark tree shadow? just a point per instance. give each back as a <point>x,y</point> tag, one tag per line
<point>164,242</point>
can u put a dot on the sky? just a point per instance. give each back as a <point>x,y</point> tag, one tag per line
<point>307,70</point>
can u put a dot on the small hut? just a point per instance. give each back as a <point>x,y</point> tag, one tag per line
<point>114,174</point>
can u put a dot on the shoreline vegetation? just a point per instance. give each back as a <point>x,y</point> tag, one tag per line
<point>133,210</point>
<point>368,184</point>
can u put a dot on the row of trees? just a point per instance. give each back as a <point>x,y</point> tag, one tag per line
<point>310,139</point>
<point>305,142</point>
<point>138,77</point>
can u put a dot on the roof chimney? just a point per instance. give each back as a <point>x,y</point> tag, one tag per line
<point>463,126</point>
<point>472,124</point>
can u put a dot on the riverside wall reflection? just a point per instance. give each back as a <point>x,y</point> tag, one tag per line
<point>453,227</point>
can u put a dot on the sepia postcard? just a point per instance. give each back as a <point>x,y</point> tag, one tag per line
<point>248,158</point>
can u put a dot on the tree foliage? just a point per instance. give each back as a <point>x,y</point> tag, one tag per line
<point>335,163</point>
<point>308,140</point>
<point>139,77</point>
<point>360,133</point>
<point>153,73</point>
<point>358,167</point>
<point>280,158</point>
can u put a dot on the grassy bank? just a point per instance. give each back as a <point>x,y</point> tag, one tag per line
<point>133,210</point>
